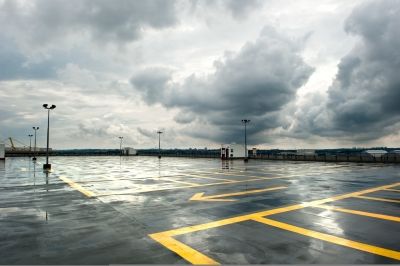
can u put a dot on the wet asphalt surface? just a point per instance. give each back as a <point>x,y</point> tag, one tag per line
<point>45,220</point>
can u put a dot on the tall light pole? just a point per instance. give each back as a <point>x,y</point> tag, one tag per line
<point>47,166</point>
<point>34,149</point>
<point>30,142</point>
<point>245,122</point>
<point>159,143</point>
<point>120,145</point>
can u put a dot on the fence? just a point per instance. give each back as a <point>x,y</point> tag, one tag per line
<point>362,158</point>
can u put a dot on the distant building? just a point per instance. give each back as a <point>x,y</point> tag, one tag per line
<point>233,151</point>
<point>288,153</point>
<point>129,151</point>
<point>254,152</point>
<point>376,153</point>
<point>305,152</point>
<point>2,151</point>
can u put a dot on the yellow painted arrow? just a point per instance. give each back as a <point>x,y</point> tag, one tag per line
<point>201,197</point>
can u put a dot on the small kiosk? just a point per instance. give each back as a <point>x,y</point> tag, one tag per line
<point>233,151</point>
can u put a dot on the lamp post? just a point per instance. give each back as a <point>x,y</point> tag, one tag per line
<point>47,166</point>
<point>34,149</point>
<point>159,143</point>
<point>30,142</point>
<point>120,145</point>
<point>245,122</point>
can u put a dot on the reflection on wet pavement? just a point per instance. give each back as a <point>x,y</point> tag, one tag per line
<point>101,210</point>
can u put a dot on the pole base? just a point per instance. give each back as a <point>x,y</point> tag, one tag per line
<point>159,156</point>
<point>246,160</point>
<point>46,166</point>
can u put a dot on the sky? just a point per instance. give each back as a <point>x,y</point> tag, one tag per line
<point>307,73</point>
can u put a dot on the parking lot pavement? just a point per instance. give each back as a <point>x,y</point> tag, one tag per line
<point>109,210</point>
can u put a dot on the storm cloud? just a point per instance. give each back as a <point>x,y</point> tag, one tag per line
<point>254,83</point>
<point>363,101</point>
<point>105,21</point>
<point>311,74</point>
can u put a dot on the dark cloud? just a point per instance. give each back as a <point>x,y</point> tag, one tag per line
<point>184,118</point>
<point>241,9</point>
<point>151,82</point>
<point>363,101</point>
<point>255,83</point>
<point>238,9</point>
<point>119,20</point>
<point>15,65</point>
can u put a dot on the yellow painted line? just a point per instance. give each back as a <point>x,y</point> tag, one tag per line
<point>208,177</point>
<point>218,223</point>
<point>191,255</point>
<point>200,227</point>
<point>218,171</point>
<point>201,197</point>
<point>332,239</point>
<point>362,213</point>
<point>78,187</point>
<point>241,175</point>
<point>190,229</point>
<point>392,189</point>
<point>178,181</point>
<point>189,186</point>
<point>377,199</point>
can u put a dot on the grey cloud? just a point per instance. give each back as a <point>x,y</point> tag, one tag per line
<point>15,65</point>
<point>184,117</point>
<point>106,130</point>
<point>146,132</point>
<point>88,131</point>
<point>119,20</point>
<point>255,83</point>
<point>238,9</point>
<point>150,83</point>
<point>363,101</point>
<point>366,92</point>
<point>241,9</point>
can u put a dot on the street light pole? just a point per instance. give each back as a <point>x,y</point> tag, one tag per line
<point>30,142</point>
<point>34,149</point>
<point>159,143</point>
<point>245,121</point>
<point>47,166</point>
<point>120,145</point>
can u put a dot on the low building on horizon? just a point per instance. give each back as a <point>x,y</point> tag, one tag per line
<point>128,151</point>
<point>233,151</point>
<point>376,153</point>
